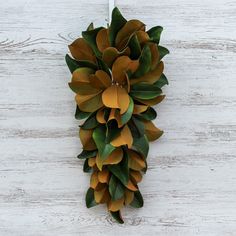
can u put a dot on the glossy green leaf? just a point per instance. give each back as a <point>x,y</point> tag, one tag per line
<point>99,137</point>
<point>145,91</point>
<point>117,22</point>
<point>121,170</point>
<point>136,127</point>
<point>116,189</point>
<point>138,200</point>
<point>90,37</point>
<point>84,63</point>
<point>141,145</point>
<point>135,47</point>
<point>80,115</point>
<point>86,167</point>
<point>145,61</point>
<point>90,27</point>
<point>128,114</point>
<point>91,122</point>
<point>149,114</point>
<point>155,33</point>
<point>90,201</point>
<point>161,82</point>
<point>71,63</point>
<point>162,51</point>
<point>87,154</point>
<point>103,66</point>
<point>117,216</point>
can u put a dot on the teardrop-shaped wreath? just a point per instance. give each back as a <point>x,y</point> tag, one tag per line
<point>117,75</point>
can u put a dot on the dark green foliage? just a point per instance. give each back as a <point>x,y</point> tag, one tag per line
<point>118,21</point>
<point>138,200</point>
<point>90,201</point>
<point>80,115</point>
<point>116,189</point>
<point>87,154</point>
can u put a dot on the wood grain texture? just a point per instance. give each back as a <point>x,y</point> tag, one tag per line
<point>190,187</point>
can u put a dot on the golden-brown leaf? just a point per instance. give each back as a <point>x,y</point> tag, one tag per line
<point>89,103</point>
<point>92,161</point>
<point>100,116</point>
<point>131,186</point>
<point>136,161</point>
<point>124,138</point>
<point>136,175</point>
<point>80,50</point>
<point>151,77</point>
<point>139,108</point>
<point>82,74</point>
<point>103,176</point>
<point>102,40</point>
<point>121,66</point>
<point>115,157</point>
<point>94,180</point>
<point>126,31</point>
<point>101,80</point>
<point>152,102</point>
<point>110,54</point>
<point>116,205</point>
<point>86,139</point>
<point>142,36</point>
<point>151,131</point>
<point>116,97</point>
<point>129,196</point>
<point>99,194</point>
<point>106,197</point>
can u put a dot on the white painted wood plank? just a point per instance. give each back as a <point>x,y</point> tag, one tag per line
<point>190,188</point>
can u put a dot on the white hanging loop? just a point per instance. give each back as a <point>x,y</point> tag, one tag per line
<point>111,7</point>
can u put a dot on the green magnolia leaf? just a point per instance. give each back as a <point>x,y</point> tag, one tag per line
<point>163,51</point>
<point>149,114</point>
<point>103,66</point>
<point>117,22</point>
<point>90,201</point>
<point>155,34</point>
<point>128,114</point>
<point>117,216</point>
<point>91,122</point>
<point>145,91</point>
<point>90,37</point>
<point>145,61</point>
<point>90,27</point>
<point>87,154</point>
<point>80,115</point>
<point>86,167</point>
<point>99,137</point>
<point>84,63</point>
<point>141,145</point>
<point>112,130</point>
<point>161,82</point>
<point>116,189</point>
<point>71,63</point>
<point>137,127</point>
<point>138,200</point>
<point>134,46</point>
<point>121,170</point>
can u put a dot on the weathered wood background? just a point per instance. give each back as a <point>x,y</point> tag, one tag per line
<point>190,188</point>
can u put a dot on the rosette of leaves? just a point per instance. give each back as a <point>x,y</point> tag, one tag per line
<point>117,75</point>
